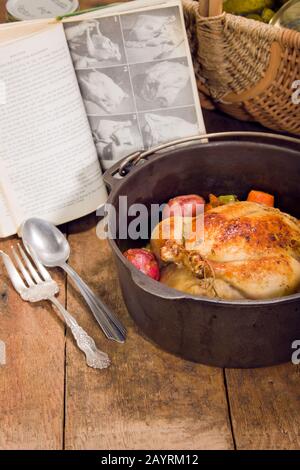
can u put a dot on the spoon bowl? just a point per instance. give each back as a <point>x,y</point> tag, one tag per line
<point>46,242</point>
<point>49,244</point>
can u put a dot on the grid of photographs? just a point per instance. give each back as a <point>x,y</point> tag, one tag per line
<point>135,80</point>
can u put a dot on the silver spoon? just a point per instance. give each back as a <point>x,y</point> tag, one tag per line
<point>53,250</point>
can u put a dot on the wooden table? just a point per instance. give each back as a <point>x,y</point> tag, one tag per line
<point>148,399</point>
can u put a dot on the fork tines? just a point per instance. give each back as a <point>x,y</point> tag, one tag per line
<point>34,274</point>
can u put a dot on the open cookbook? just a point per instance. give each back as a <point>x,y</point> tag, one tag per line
<point>79,93</point>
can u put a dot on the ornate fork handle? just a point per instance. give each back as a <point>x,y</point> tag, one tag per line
<point>94,358</point>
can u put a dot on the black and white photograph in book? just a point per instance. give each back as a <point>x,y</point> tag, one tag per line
<point>115,137</point>
<point>96,43</point>
<point>106,91</point>
<point>162,84</point>
<point>153,35</point>
<point>163,126</point>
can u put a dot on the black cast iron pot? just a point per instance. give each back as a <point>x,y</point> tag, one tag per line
<point>210,331</point>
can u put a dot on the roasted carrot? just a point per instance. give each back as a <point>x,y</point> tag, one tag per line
<point>213,200</point>
<point>261,198</point>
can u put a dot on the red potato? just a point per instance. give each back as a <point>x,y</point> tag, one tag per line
<point>144,261</point>
<point>188,205</point>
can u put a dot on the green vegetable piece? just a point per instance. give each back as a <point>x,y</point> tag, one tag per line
<point>267,15</point>
<point>242,7</point>
<point>254,16</point>
<point>227,199</point>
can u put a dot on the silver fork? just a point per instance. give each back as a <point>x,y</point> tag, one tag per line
<point>40,286</point>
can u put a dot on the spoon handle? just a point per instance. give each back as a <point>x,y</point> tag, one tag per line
<point>110,324</point>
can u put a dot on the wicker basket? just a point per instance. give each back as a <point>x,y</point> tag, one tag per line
<point>246,68</point>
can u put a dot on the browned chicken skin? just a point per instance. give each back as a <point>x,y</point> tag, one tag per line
<point>254,250</point>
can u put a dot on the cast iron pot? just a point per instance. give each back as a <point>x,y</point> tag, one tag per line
<point>211,331</point>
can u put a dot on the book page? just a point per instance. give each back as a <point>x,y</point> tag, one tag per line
<point>7,224</point>
<point>48,162</point>
<point>136,76</point>
<point>16,30</point>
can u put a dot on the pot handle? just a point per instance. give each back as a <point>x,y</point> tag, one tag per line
<point>109,176</point>
<point>123,167</point>
<point>133,159</point>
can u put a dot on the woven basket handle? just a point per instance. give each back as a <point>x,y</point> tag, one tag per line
<point>215,7</point>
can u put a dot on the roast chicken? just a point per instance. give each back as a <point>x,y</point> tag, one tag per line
<point>157,32</point>
<point>164,81</point>
<point>100,89</point>
<point>115,139</point>
<point>101,47</point>
<point>159,129</point>
<point>109,130</point>
<point>89,46</point>
<point>147,28</point>
<point>246,251</point>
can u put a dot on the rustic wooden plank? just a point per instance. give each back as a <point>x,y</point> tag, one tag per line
<point>2,11</point>
<point>265,407</point>
<point>32,381</point>
<point>148,399</point>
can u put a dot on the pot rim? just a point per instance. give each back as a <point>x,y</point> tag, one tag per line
<point>155,287</point>
<point>169,293</point>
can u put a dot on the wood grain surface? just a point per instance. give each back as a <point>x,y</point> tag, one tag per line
<point>148,399</point>
<point>265,407</point>
<point>32,381</point>
<point>2,11</point>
